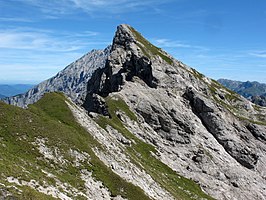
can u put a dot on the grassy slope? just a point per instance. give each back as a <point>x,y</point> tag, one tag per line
<point>141,154</point>
<point>50,118</point>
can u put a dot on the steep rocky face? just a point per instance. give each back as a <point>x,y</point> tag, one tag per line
<point>201,129</point>
<point>72,80</point>
<point>124,62</point>
<point>237,143</point>
<point>259,100</point>
<point>146,109</point>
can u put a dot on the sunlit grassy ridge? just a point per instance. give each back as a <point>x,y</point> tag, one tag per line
<point>51,119</point>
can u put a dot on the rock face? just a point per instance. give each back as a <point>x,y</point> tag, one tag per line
<point>72,80</point>
<point>199,128</point>
<point>259,100</point>
<point>124,62</point>
<point>236,144</point>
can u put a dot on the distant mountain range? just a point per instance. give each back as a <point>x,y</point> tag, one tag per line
<point>253,91</point>
<point>7,90</point>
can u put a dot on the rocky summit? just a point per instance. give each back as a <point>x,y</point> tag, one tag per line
<point>135,124</point>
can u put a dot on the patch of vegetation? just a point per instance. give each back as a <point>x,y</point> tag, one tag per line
<point>31,194</point>
<point>23,193</point>
<point>257,108</point>
<point>115,102</point>
<point>51,119</point>
<point>251,121</point>
<point>230,97</point>
<point>149,49</point>
<point>229,107</point>
<point>142,154</point>
<point>198,75</point>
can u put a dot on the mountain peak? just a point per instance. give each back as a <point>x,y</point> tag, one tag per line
<point>123,36</point>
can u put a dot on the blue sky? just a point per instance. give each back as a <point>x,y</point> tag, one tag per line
<point>220,38</point>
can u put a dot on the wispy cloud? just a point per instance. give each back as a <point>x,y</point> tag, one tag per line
<point>259,54</point>
<point>118,6</point>
<point>50,6</point>
<point>167,43</point>
<point>45,40</point>
<point>34,41</point>
<point>15,19</point>
<point>40,53</point>
<point>62,7</point>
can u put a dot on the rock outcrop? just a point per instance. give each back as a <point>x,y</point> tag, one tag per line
<point>238,143</point>
<point>259,100</point>
<point>124,62</point>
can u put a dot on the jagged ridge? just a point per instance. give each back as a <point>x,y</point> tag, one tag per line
<point>72,80</point>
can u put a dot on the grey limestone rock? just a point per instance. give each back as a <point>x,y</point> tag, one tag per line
<point>259,132</point>
<point>124,62</point>
<point>72,80</point>
<point>241,149</point>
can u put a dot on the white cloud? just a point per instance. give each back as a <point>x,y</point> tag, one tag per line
<point>50,6</point>
<point>167,43</point>
<point>259,54</point>
<point>34,41</point>
<point>32,66</point>
<point>61,7</point>
<point>15,19</point>
<point>113,6</point>
<point>40,53</point>
<point>45,40</point>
